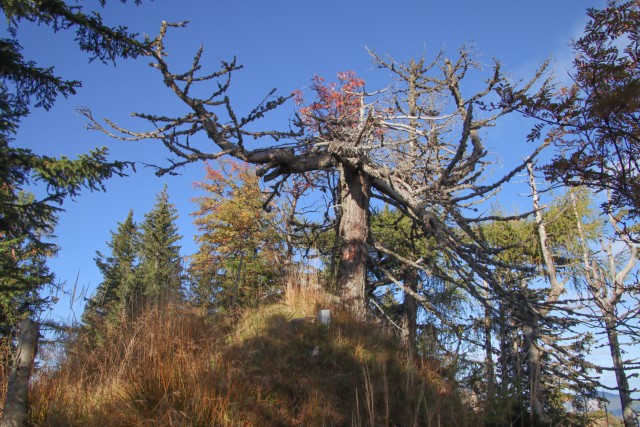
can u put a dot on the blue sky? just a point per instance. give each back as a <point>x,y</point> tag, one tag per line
<point>281,44</point>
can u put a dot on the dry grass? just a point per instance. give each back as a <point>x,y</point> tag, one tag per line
<point>268,366</point>
<point>162,369</point>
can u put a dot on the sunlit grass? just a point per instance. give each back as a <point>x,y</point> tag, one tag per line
<point>270,365</point>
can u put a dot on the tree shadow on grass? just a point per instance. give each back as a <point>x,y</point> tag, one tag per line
<point>299,372</point>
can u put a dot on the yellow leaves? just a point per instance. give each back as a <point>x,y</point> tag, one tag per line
<point>231,219</point>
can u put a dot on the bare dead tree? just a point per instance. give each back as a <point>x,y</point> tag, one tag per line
<point>435,161</point>
<point>531,332</point>
<point>536,330</point>
<point>424,155</point>
<point>606,276</point>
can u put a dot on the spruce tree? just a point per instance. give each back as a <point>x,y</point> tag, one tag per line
<point>160,263</point>
<point>26,221</point>
<point>23,269</point>
<point>121,287</point>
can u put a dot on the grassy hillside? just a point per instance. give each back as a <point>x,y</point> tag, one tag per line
<point>268,366</point>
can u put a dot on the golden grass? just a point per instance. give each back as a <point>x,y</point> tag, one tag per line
<point>147,372</point>
<point>266,366</point>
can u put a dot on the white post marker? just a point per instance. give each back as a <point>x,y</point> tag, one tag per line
<point>324,317</point>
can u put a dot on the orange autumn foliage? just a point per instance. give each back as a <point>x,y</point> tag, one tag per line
<point>232,224</point>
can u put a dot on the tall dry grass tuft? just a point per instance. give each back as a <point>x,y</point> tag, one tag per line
<point>304,293</point>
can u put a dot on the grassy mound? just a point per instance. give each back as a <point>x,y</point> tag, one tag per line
<point>268,366</point>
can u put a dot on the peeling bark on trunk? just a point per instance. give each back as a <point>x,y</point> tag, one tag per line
<point>16,405</point>
<point>353,231</point>
<point>621,377</point>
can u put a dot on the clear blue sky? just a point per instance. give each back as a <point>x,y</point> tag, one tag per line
<point>282,44</point>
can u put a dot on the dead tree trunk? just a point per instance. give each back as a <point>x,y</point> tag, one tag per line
<point>621,377</point>
<point>488,348</point>
<point>608,294</point>
<point>410,314</point>
<point>531,330</point>
<point>16,405</point>
<point>534,368</point>
<point>353,231</point>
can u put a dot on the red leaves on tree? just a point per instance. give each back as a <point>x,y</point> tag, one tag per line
<point>337,104</point>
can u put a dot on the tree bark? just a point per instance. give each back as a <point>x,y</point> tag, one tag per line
<point>410,314</point>
<point>557,287</point>
<point>534,368</point>
<point>621,377</point>
<point>236,285</point>
<point>505,350</point>
<point>16,405</point>
<point>353,230</point>
<point>488,348</point>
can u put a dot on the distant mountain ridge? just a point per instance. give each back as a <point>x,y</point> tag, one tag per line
<point>614,406</point>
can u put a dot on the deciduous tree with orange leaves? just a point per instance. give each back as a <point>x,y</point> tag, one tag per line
<point>239,247</point>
